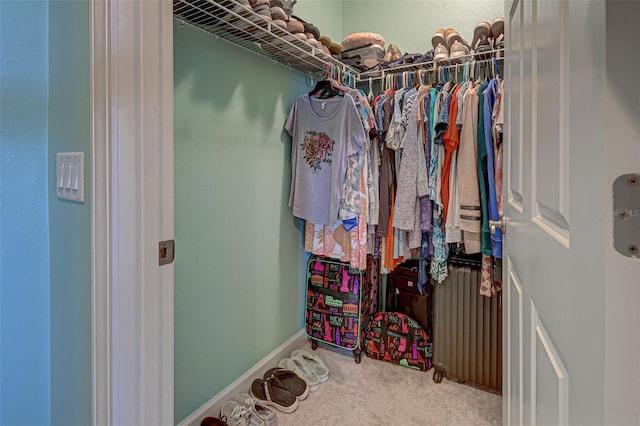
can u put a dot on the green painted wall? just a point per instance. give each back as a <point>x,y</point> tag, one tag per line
<point>410,24</point>
<point>239,266</point>
<point>324,14</point>
<point>239,255</point>
<point>70,222</point>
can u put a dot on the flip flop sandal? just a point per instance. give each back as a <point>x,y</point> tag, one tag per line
<point>302,371</point>
<point>271,393</point>
<point>290,381</point>
<point>313,362</point>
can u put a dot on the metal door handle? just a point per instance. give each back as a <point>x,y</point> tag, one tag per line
<point>498,224</point>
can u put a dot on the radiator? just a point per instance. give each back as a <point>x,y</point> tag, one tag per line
<point>467,341</point>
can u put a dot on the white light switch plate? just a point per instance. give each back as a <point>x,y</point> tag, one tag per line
<point>70,176</point>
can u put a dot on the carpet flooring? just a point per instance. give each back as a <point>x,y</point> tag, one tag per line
<point>377,393</point>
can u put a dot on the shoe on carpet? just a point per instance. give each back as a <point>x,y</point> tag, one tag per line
<point>272,393</point>
<point>259,408</point>
<point>298,367</point>
<point>290,381</point>
<point>313,362</point>
<point>212,421</point>
<point>235,414</point>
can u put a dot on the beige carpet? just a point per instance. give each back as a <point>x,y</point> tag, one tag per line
<point>379,393</point>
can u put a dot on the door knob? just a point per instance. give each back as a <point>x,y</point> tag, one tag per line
<point>498,224</point>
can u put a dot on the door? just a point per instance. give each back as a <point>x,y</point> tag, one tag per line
<point>561,158</point>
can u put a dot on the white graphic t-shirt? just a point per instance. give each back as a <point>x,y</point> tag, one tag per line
<point>325,132</point>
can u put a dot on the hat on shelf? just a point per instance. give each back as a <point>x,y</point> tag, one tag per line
<point>356,40</point>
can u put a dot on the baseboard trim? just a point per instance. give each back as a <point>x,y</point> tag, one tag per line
<point>243,383</point>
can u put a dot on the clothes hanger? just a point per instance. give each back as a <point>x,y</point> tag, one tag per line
<point>465,70</point>
<point>326,89</point>
<point>497,67</point>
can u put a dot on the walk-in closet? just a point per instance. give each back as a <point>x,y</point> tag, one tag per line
<point>452,137</point>
<point>153,272</point>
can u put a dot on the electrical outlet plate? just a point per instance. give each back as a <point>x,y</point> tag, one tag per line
<point>70,176</point>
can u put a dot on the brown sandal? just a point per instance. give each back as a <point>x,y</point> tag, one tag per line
<point>273,393</point>
<point>290,381</point>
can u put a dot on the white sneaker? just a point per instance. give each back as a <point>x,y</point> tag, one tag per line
<point>234,414</point>
<point>440,52</point>
<point>264,412</point>
<point>459,51</point>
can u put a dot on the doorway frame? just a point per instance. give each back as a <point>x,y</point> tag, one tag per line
<point>132,211</point>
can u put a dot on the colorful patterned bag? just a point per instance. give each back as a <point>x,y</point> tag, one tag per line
<point>396,338</point>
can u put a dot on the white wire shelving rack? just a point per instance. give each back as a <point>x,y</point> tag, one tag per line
<point>472,59</point>
<point>230,21</point>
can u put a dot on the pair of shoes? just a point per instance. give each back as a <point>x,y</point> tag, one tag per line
<point>212,421</point>
<point>280,388</point>
<point>259,408</point>
<point>449,44</point>
<point>488,36</point>
<point>307,365</point>
<point>459,51</point>
<point>235,413</point>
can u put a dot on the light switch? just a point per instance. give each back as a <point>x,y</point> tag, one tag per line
<point>70,176</point>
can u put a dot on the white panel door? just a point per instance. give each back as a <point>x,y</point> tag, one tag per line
<point>559,169</point>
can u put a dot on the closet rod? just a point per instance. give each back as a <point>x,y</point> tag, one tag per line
<point>386,73</point>
<point>429,66</point>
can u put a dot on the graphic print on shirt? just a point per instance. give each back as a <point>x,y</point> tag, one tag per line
<point>318,149</point>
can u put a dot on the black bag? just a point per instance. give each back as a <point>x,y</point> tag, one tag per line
<point>403,295</point>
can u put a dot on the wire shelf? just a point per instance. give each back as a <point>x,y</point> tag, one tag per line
<point>477,58</point>
<point>229,20</point>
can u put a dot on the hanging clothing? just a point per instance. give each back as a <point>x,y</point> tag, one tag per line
<point>451,141</point>
<point>492,200</point>
<point>468,186</point>
<point>325,132</point>
<point>407,194</point>
<point>485,236</point>
<point>498,120</point>
<point>426,210</point>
